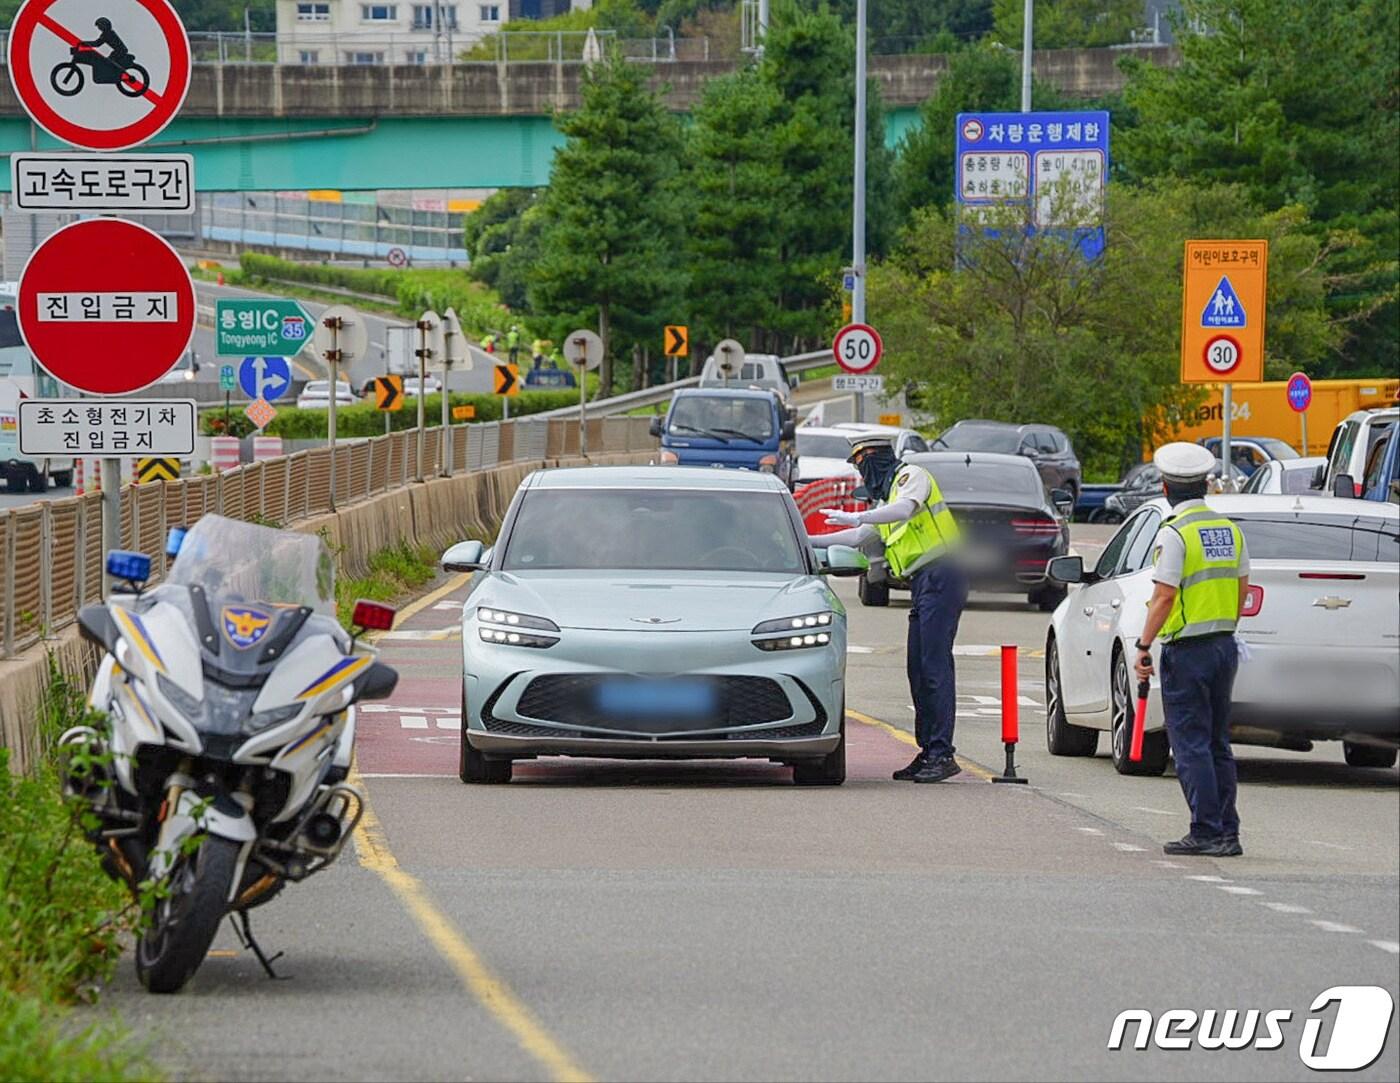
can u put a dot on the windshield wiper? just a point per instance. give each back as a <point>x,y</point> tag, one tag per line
<point>713,434</point>
<point>740,435</point>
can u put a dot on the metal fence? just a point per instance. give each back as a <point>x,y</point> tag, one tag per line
<point>52,550</point>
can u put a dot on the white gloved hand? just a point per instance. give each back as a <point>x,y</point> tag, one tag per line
<point>837,517</point>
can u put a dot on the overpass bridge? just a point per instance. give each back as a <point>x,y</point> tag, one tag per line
<point>259,127</point>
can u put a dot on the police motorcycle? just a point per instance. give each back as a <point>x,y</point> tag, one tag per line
<point>229,697</point>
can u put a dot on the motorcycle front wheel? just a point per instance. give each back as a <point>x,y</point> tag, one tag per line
<point>134,81</point>
<point>67,79</point>
<point>183,924</point>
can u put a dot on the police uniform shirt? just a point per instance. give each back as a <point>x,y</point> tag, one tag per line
<point>1171,550</point>
<point>911,484</point>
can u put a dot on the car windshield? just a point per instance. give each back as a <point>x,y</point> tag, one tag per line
<point>723,417</point>
<point>1277,448</point>
<point>962,437</point>
<point>823,445</point>
<point>1305,537</point>
<point>957,478</point>
<point>653,530</point>
<point>236,561</point>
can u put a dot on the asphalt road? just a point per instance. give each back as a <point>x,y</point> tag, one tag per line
<point>711,921</point>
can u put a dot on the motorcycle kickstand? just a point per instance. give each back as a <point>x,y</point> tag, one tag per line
<point>249,941</point>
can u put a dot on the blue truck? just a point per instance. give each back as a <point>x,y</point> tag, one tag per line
<point>730,428</point>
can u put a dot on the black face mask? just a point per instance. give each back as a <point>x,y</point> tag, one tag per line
<point>877,471</point>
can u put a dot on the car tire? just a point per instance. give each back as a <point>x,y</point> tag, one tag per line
<point>63,479</point>
<point>1368,755</point>
<point>1061,737</point>
<point>1047,599</point>
<point>38,481</point>
<point>1155,748</point>
<point>475,768</point>
<point>16,483</point>
<point>873,594</point>
<point>830,770</point>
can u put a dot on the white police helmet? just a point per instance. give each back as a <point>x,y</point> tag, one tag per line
<point>1183,462</point>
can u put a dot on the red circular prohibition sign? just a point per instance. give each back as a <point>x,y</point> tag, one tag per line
<point>108,259</point>
<point>33,15</point>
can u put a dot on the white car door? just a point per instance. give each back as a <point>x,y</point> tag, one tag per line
<point>1096,613</point>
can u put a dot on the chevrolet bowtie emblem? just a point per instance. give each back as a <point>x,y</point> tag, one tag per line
<point>655,620</point>
<point>1331,601</point>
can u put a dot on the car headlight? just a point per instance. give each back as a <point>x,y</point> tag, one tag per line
<point>794,633</point>
<point>501,627</point>
<point>768,464</point>
<point>669,458</point>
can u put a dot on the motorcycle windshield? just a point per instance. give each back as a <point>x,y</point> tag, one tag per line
<point>234,562</point>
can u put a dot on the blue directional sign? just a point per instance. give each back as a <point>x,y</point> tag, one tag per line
<point>1057,160</point>
<point>267,378</point>
<point>1224,308</point>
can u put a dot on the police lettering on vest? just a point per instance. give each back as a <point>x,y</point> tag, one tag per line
<point>928,534</point>
<point>1208,598</point>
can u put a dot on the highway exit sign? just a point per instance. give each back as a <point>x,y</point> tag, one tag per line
<point>260,326</point>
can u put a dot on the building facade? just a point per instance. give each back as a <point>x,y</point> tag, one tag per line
<point>390,32</point>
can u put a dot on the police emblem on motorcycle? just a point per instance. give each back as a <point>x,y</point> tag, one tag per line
<point>245,626</point>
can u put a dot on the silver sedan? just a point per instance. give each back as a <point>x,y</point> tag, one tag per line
<point>653,612</point>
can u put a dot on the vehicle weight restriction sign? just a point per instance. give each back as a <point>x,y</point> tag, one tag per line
<point>100,74</point>
<point>858,348</point>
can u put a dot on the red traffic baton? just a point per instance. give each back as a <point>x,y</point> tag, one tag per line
<point>1139,722</point>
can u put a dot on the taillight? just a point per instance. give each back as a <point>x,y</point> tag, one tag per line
<point>1035,526</point>
<point>1359,490</point>
<point>1253,601</point>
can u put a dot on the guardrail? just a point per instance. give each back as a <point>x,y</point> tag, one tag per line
<point>52,550</point>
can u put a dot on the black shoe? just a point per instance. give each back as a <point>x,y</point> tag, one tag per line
<point>1232,847</point>
<point>904,774</point>
<point>937,770</point>
<point>1190,846</point>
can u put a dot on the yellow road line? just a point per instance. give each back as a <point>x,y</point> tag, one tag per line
<point>455,583</point>
<point>905,737</point>
<point>490,991</point>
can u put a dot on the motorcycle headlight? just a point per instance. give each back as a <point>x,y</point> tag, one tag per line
<point>794,633</point>
<point>503,628</point>
<point>267,719</point>
<point>178,698</point>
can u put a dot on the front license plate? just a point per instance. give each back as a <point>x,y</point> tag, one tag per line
<point>649,699</point>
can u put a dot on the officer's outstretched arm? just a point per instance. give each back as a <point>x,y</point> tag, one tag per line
<point>898,511</point>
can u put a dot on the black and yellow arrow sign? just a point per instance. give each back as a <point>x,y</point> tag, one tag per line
<point>157,470</point>
<point>388,392</point>
<point>677,340</point>
<point>508,380</point>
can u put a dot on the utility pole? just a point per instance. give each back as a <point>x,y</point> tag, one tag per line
<point>858,197</point>
<point>1027,37</point>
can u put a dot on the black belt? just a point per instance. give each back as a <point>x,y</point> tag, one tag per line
<point>1195,639</point>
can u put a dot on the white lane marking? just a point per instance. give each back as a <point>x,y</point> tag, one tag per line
<point>1329,845</point>
<point>455,607</point>
<point>1170,864</point>
<point>851,648</point>
<point>1285,908</point>
<point>990,650</point>
<point>413,722</point>
<point>1089,830</point>
<point>393,708</point>
<point>1154,811</point>
<point>1128,848</point>
<point>399,774</point>
<point>1209,879</point>
<point>1392,946</point>
<point>449,722</point>
<point>424,633</point>
<point>1237,889</point>
<point>1334,926</point>
<point>1070,793</point>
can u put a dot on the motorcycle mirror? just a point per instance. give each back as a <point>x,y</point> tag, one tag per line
<point>133,567</point>
<point>372,616</point>
<point>174,540</point>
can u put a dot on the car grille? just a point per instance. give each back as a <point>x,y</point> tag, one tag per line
<point>571,700</point>
<point>509,728</point>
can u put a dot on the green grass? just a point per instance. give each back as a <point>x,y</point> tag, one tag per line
<point>393,573</point>
<point>41,1042</point>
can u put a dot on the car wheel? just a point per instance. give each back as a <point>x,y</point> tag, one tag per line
<point>873,594</point>
<point>474,766</point>
<point>1368,755</point>
<point>38,481</point>
<point>63,478</point>
<point>1047,599</point>
<point>830,770</point>
<point>1062,738</point>
<point>1154,745</point>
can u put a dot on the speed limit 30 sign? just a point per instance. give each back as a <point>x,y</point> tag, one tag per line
<point>858,348</point>
<point>1224,290</point>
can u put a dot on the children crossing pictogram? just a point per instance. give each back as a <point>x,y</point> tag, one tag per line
<point>1224,308</point>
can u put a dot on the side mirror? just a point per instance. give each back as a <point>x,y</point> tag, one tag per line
<point>378,682</point>
<point>793,382</point>
<point>1319,478</point>
<point>1343,485</point>
<point>655,427</point>
<point>465,556</point>
<point>1066,569</point>
<point>1063,500</point>
<point>789,430</point>
<point>842,561</point>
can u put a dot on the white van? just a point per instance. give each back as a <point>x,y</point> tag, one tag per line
<point>1350,448</point>
<point>761,370</point>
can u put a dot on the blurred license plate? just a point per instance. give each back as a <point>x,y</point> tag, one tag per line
<point>672,699</point>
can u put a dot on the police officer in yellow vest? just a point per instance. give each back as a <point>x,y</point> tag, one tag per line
<point>918,534</point>
<point>1201,576</point>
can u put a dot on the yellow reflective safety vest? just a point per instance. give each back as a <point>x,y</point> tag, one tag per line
<point>1208,600</point>
<point>922,539</point>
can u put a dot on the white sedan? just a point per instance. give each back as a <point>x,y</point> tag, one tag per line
<point>316,395</point>
<point>1321,630</point>
<point>1285,477</point>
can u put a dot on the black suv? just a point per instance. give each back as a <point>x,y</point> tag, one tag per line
<point>1044,445</point>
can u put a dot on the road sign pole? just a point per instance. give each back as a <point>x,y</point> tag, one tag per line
<point>583,411</point>
<point>1303,418</point>
<point>1227,409</point>
<point>111,514</point>
<point>422,379</point>
<point>227,396</point>
<point>446,418</point>
<point>858,209</point>
<point>1027,46</point>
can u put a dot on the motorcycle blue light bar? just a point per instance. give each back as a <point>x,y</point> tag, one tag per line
<point>174,540</point>
<point>133,567</point>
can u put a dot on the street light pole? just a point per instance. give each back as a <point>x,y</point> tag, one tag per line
<point>858,198</point>
<point>1027,36</point>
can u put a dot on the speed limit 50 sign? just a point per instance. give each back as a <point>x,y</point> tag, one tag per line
<point>858,348</point>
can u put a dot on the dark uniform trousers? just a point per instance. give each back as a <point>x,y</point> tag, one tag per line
<point>939,594</point>
<point>1198,675</point>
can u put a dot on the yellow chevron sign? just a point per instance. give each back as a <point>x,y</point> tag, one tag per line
<point>157,470</point>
